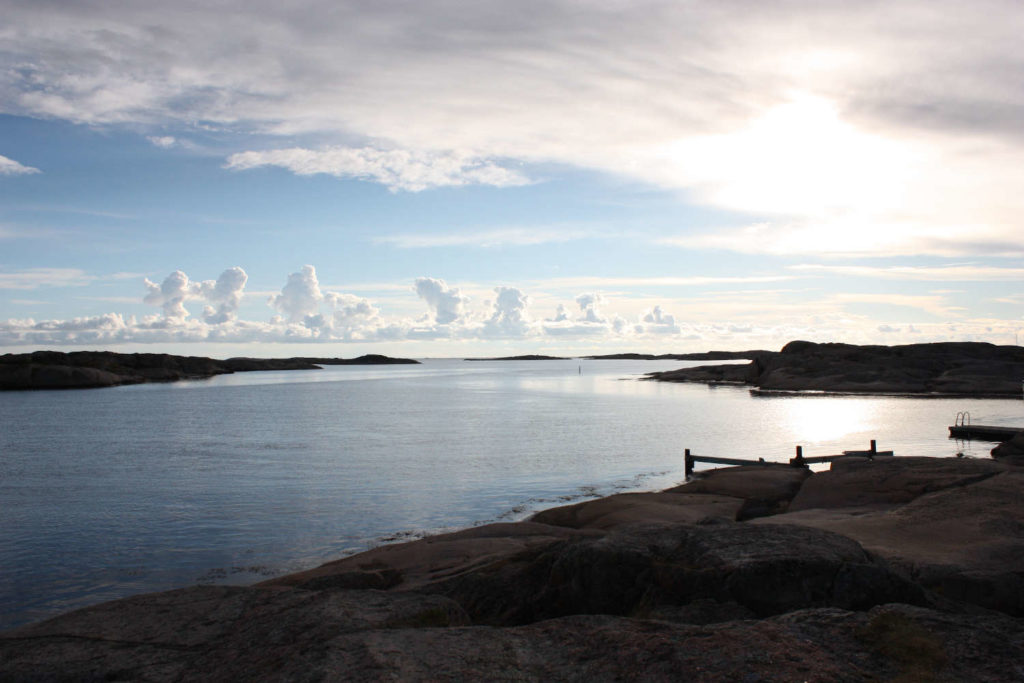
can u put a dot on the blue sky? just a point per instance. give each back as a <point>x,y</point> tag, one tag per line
<point>435,178</point>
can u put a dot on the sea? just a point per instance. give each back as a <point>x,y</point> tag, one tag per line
<point>106,493</point>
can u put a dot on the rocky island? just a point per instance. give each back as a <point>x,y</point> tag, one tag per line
<point>92,369</point>
<point>903,569</point>
<point>940,369</point>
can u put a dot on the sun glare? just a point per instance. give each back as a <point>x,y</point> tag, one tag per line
<point>815,420</point>
<point>799,158</point>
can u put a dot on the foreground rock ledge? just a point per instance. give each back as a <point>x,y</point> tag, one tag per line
<point>900,568</point>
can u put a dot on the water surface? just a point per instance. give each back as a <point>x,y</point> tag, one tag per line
<point>110,492</point>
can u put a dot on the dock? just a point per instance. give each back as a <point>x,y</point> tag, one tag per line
<point>983,432</point>
<point>689,459</point>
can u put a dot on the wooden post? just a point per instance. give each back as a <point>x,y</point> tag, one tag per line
<point>874,449</point>
<point>798,461</point>
<point>687,463</point>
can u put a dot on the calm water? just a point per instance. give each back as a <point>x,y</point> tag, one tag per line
<point>105,493</point>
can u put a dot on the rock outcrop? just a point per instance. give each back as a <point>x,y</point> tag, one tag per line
<point>892,569</point>
<point>93,369</point>
<point>948,368</point>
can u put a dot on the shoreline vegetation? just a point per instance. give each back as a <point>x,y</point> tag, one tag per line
<point>95,369</point>
<point>902,568</point>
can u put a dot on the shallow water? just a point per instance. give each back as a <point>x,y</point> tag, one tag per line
<point>110,492</point>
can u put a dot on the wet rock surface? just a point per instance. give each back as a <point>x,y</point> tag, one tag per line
<point>916,579</point>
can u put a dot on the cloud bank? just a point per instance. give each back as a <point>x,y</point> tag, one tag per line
<point>846,129</point>
<point>395,169</point>
<point>305,311</point>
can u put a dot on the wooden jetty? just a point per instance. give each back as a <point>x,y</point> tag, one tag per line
<point>799,461</point>
<point>983,432</point>
<point>963,429</point>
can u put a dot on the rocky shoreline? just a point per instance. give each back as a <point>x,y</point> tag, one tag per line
<point>961,369</point>
<point>888,569</point>
<point>95,369</point>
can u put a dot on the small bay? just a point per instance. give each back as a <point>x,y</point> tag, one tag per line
<point>111,492</point>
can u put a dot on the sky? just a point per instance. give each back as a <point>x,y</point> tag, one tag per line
<point>443,178</point>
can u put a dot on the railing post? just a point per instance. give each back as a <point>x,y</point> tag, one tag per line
<point>687,463</point>
<point>798,461</point>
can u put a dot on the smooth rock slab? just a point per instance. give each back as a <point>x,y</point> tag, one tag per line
<point>965,541</point>
<point>637,569</point>
<point>765,489</point>
<point>889,642</point>
<point>675,506</point>
<point>888,481</point>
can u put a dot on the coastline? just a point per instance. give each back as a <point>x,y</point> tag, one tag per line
<point>941,370</point>
<point>786,570</point>
<point>98,369</point>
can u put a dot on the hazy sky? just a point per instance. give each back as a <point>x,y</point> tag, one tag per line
<point>453,178</point>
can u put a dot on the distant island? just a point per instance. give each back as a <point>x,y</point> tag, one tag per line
<point>528,357</point>
<point>941,369</point>
<point>702,355</point>
<point>93,369</point>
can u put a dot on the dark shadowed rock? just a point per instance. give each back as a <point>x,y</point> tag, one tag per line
<point>92,369</point>
<point>947,368</point>
<point>217,634</point>
<point>956,526</point>
<point>635,569</point>
<point>1011,448</point>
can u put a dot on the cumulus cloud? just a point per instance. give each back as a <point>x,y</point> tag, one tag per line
<point>225,295</point>
<point>588,304</point>
<point>300,297</point>
<point>395,169</point>
<point>12,167</point>
<point>446,305</point>
<point>657,321</point>
<point>172,294</point>
<point>561,314</point>
<point>222,295</point>
<point>509,316</point>
<point>307,312</point>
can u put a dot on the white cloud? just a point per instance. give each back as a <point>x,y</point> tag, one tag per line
<point>509,316</point>
<point>852,130</point>
<point>300,297</point>
<point>12,167</point>
<point>588,304</point>
<point>223,295</point>
<point>34,278</point>
<point>446,305</point>
<point>163,141</point>
<point>395,169</point>
<point>226,294</point>
<point>172,294</point>
<point>657,321</point>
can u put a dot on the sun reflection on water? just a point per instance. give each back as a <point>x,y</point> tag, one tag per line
<point>815,420</point>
